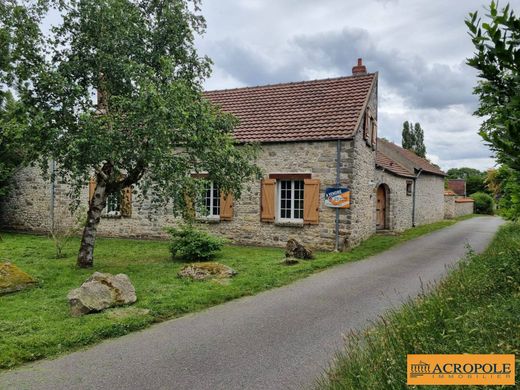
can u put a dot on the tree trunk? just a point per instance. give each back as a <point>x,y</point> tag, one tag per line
<point>96,206</point>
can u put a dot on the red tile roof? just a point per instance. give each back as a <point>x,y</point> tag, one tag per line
<point>415,160</point>
<point>464,200</point>
<point>385,162</point>
<point>305,111</point>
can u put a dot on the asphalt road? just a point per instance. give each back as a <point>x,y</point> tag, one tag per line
<point>279,339</point>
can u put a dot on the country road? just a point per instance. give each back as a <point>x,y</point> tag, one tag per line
<point>279,339</point>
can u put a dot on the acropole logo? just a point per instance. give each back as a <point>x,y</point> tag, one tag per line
<point>461,370</point>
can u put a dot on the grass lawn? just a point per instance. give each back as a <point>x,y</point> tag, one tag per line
<point>475,310</point>
<point>35,323</point>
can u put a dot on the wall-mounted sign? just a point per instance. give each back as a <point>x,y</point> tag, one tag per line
<point>337,197</point>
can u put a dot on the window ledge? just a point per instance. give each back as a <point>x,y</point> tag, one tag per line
<point>298,224</point>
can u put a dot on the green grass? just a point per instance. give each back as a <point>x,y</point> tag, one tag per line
<point>35,323</point>
<point>476,309</point>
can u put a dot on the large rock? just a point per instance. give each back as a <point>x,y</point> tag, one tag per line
<point>203,271</point>
<point>14,279</point>
<point>101,291</point>
<point>297,250</point>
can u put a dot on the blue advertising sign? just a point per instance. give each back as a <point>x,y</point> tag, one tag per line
<point>337,197</point>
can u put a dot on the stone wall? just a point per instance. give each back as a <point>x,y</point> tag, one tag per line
<point>399,205</point>
<point>429,199</point>
<point>464,208</point>
<point>449,206</point>
<point>28,206</point>
<point>360,178</point>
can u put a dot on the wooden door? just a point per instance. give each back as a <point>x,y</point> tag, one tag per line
<point>381,208</point>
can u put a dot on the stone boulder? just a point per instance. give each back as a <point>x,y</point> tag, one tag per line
<point>297,250</point>
<point>99,292</point>
<point>204,271</point>
<point>14,279</point>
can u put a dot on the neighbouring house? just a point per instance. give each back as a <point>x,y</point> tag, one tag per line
<point>314,135</point>
<point>458,186</point>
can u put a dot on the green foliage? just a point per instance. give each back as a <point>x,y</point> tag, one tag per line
<point>475,179</point>
<point>505,185</point>
<point>475,310</point>
<point>497,58</point>
<point>193,244</point>
<point>151,125</point>
<point>413,138</point>
<point>19,39</point>
<point>36,324</point>
<point>483,203</point>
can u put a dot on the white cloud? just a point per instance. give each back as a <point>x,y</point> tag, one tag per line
<point>418,47</point>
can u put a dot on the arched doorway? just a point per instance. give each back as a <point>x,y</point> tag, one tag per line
<point>382,207</point>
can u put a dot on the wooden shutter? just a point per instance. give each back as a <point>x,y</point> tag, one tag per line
<point>267,200</point>
<point>226,207</point>
<point>126,202</point>
<point>374,132</point>
<point>91,188</point>
<point>366,127</point>
<point>311,201</point>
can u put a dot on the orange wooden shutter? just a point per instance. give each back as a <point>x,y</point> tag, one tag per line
<point>91,188</point>
<point>226,207</point>
<point>311,201</point>
<point>267,200</point>
<point>126,202</point>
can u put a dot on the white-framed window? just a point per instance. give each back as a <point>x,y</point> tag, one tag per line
<point>290,200</point>
<point>212,200</point>
<point>113,207</point>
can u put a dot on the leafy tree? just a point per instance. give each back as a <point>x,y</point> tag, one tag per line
<point>408,136</point>
<point>497,58</point>
<point>413,138</point>
<point>483,203</point>
<point>151,125</point>
<point>420,148</point>
<point>18,41</point>
<point>504,183</point>
<point>475,179</point>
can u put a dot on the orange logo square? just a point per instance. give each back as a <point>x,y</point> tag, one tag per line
<point>461,369</point>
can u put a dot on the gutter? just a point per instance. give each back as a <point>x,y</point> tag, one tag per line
<point>414,191</point>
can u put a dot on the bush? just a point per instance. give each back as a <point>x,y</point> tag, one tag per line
<point>189,243</point>
<point>483,203</point>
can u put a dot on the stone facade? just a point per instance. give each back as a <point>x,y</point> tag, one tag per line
<point>464,208</point>
<point>429,199</point>
<point>449,205</point>
<point>399,205</point>
<point>28,207</point>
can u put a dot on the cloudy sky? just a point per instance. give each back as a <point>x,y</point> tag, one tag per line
<point>418,47</point>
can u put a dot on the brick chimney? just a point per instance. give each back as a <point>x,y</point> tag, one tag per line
<point>359,69</point>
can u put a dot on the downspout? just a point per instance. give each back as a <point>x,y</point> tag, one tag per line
<point>53,193</point>
<point>414,191</point>
<point>338,166</point>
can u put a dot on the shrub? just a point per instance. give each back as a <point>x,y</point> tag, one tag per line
<point>483,203</point>
<point>193,244</point>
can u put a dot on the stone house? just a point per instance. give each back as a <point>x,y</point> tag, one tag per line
<point>314,135</point>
